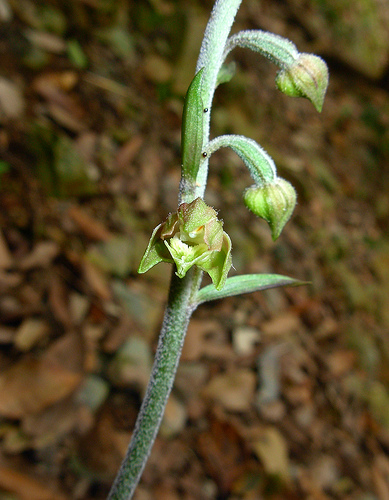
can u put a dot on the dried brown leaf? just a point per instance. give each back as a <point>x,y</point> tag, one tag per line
<point>31,331</point>
<point>31,385</point>
<point>26,487</point>
<point>271,448</point>
<point>223,452</point>
<point>5,254</point>
<point>11,100</point>
<point>42,255</point>
<point>92,228</point>
<point>234,390</point>
<point>96,280</point>
<point>283,324</point>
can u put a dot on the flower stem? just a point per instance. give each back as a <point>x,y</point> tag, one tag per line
<point>211,59</point>
<point>171,339</point>
<point>183,291</point>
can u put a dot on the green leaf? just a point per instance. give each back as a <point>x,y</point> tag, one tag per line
<point>245,284</point>
<point>76,54</point>
<point>226,72</point>
<point>192,130</point>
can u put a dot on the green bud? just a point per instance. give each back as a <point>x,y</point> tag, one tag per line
<point>306,77</point>
<point>273,202</point>
<point>191,236</point>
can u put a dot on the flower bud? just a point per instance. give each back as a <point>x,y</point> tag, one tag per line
<point>306,77</point>
<point>191,236</point>
<point>273,202</point>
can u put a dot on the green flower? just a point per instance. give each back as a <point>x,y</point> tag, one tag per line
<point>191,236</point>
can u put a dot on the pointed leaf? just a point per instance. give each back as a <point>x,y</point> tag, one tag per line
<point>226,72</point>
<point>246,283</point>
<point>192,130</point>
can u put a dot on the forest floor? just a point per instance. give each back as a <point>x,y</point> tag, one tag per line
<point>282,394</point>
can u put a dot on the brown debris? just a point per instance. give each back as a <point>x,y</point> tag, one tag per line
<point>282,394</point>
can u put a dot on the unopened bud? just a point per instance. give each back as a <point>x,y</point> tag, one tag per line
<point>273,202</point>
<point>306,77</point>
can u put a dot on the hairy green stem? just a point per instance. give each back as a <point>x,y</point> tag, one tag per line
<point>171,339</point>
<point>211,59</point>
<point>182,294</point>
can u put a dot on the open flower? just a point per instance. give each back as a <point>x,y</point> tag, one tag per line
<point>191,236</point>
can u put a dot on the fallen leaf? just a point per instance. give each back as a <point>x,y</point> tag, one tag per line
<point>48,427</point>
<point>60,105</point>
<point>96,280</point>
<point>7,335</point>
<point>223,452</point>
<point>67,352</point>
<point>42,255</point>
<point>11,100</point>
<point>26,487</point>
<point>30,332</point>
<point>46,41</point>
<point>103,448</point>
<point>233,390</point>
<point>270,447</point>
<point>128,152</point>
<point>131,364</point>
<point>245,339</point>
<point>174,418</point>
<point>114,256</point>
<point>92,228</point>
<point>195,339</point>
<point>341,361</point>
<point>78,307</point>
<point>31,385</point>
<point>283,324</point>
<point>5,254</point>
<point>58,300</point>
<point>325,472</point>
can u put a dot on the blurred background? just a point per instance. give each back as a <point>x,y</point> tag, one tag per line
<point>282,394</point>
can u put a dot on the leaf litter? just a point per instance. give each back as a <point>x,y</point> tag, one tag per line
<point>281,394</point>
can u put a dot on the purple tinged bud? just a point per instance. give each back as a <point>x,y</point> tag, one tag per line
<point>306,77</point>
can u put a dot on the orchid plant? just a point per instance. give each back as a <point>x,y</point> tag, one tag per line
<point>192,238</point>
